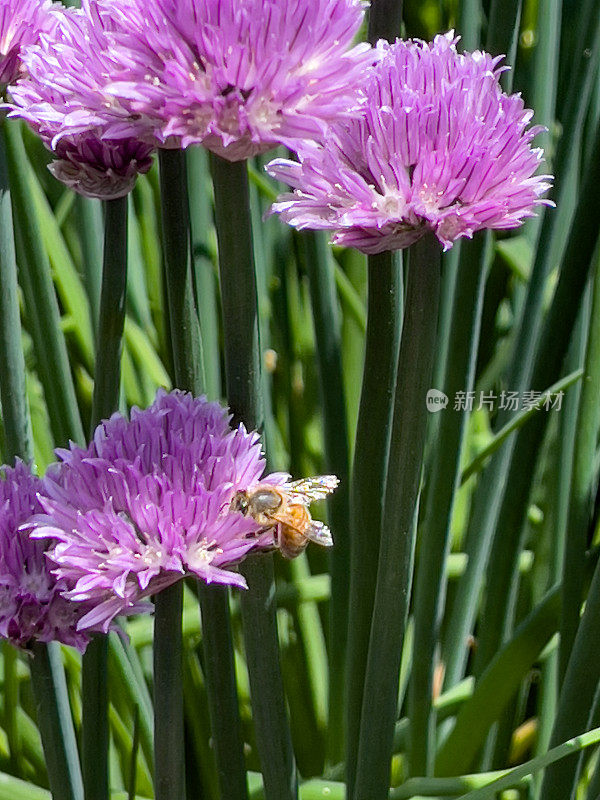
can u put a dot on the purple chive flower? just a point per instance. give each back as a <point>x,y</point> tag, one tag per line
<point>238,76</point>
<point>31,604</point>
<point>98,168</point>
<point>437,147</point>
<point>62,96</point>
<point>21,22</point>
<point>147,502</point>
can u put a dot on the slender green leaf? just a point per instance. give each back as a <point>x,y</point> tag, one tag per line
<point>68,283</point>
<point>503,34</point>
<point>350,298</point>
<point>514,776</point>
<point>12,788</point>
<point>144,355</point>
<point>125,679</point>
<point>545,401</point>
<point>442,787</point>
<point>496,687</point>
<point>576,695</point>
<point>90,226</point>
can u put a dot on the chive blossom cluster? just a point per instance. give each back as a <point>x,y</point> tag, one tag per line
<point>21,23</point>
<point>62,96</point>
<point>437,146</point>
<point>391,142</point>
<point>32,605</point>
<point>237,76</point>
<point>114,80</point>
<point>147,502</point>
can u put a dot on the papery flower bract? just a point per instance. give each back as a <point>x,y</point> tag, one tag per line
<point>31,604</point>
<point>147,502</point>
<point>238,76</point>
<point>63,97</point>
<point>98,168</point>
<point>21,22</point>
<point>437,147</point>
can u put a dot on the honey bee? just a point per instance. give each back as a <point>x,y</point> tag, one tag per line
<point>284,508</point>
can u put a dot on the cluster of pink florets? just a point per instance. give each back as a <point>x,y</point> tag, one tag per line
<point>391,141</point>
<point>438,147</point>
<point>146,503</point>
<point>236,76</point>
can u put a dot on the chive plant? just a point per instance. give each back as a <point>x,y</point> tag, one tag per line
<point>432,340</point>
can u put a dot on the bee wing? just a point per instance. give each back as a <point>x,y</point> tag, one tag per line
<point>319,532</point>
<point>307,490</point>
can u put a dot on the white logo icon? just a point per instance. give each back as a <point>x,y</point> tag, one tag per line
<point>436,400</point>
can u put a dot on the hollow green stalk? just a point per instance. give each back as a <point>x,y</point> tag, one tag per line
<point>219,669</point>
<point>12,702</point>
<point>447,292</point>
<point>384,321</point>
<point>430,581</point>
<point>371,446</point>
<point>205,283</point>
<point>553,555</point>
<point>55,722</point>
<point>107,374</point>
<point>582,488</point>
<point>214,600</point>
<point>329,357</point>
<point>266,236</point>
<point>385,20</point>
<point>47,672</point>
<point>186,344</point>
<point>470,16</point>
<point>169,760</point>
<point>396,554</point>
<point>186,355</point>
<point>242,377</point>
<point>13,396</point>
<point>503,34</point>
<point>105,400</point>
<point>89,222</point>
<point>543,93</point>
<point>40,298</point>
<point>576,696</point>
